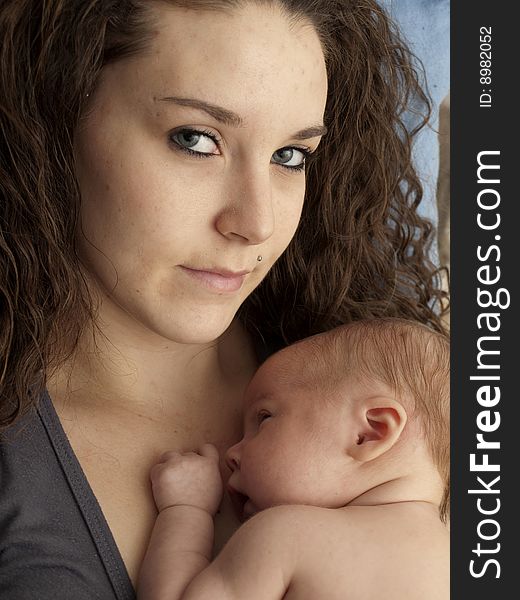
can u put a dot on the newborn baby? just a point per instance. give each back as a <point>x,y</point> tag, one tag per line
<point>342,476</point>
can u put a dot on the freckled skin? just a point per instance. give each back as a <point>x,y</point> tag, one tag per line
<point>148,208</point>
<point>163,372</point>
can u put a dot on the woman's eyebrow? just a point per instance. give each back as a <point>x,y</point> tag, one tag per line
<point>228,117</point>
<point>310,132</point>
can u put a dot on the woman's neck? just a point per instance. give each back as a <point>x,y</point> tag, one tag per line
<point>128,395</point>
<point>126,364</point>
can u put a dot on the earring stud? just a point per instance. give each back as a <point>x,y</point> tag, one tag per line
<point>259,258</point>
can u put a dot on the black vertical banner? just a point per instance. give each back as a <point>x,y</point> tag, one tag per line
<point>485,267</point>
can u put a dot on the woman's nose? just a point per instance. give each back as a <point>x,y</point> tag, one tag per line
<point>248,214</point>
<point>233,457</point>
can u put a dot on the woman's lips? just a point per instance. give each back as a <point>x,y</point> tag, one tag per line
<point>218,281</point>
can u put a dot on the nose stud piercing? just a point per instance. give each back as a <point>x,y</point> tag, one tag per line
<point>259,258</point>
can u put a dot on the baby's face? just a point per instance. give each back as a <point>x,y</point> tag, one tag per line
<point>293,449</point>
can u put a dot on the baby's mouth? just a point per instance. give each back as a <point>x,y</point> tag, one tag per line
<point>249,510</point>
<point>242,504</point>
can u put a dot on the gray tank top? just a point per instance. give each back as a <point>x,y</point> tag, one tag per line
<point>55,543</point>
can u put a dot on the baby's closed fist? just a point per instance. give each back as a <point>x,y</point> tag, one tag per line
<point>188,478</point>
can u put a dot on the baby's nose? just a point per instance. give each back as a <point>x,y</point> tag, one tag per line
<point>233,457</point>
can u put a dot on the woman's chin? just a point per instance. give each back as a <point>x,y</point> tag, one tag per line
<point>174,319</point>
<point>191,329</point>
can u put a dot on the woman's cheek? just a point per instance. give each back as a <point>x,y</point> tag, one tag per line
<point>287,220</point>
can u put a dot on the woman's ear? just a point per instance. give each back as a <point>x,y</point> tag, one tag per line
<point>377,425</point>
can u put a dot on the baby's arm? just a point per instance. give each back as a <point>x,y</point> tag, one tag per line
<point>258,563</point>
<point>187,490</point>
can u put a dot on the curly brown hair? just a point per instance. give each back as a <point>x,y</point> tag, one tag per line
<point>361,249</point>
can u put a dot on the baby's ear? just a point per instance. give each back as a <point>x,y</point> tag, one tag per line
<point>377,424</point>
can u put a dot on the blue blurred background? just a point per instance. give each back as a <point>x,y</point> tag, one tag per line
<point>425,24</point>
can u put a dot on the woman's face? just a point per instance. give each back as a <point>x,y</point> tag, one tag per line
<point>190,161</point>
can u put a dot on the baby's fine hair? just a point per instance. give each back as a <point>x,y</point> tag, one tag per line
<point>414,361</point>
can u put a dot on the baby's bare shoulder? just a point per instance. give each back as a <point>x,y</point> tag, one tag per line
<point>402,549</point>
<point>292,528</point>
<point>307,532</point>
<point>299,520</point>
<point>362,550</point>
<point>411,522</point>
<point>288,522</point>
<point>364,524</point>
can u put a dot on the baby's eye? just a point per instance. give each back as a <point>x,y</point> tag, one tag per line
<point>263,415</point>
<point>193,141</point>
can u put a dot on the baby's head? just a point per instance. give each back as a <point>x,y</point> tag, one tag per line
<point>341,412</point>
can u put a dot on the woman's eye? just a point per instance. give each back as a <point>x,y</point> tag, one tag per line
<point>195,142</point>
<point>292,158</point>
<point>262,416</point>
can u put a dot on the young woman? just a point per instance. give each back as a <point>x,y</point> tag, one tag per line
<point>185,186</point>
